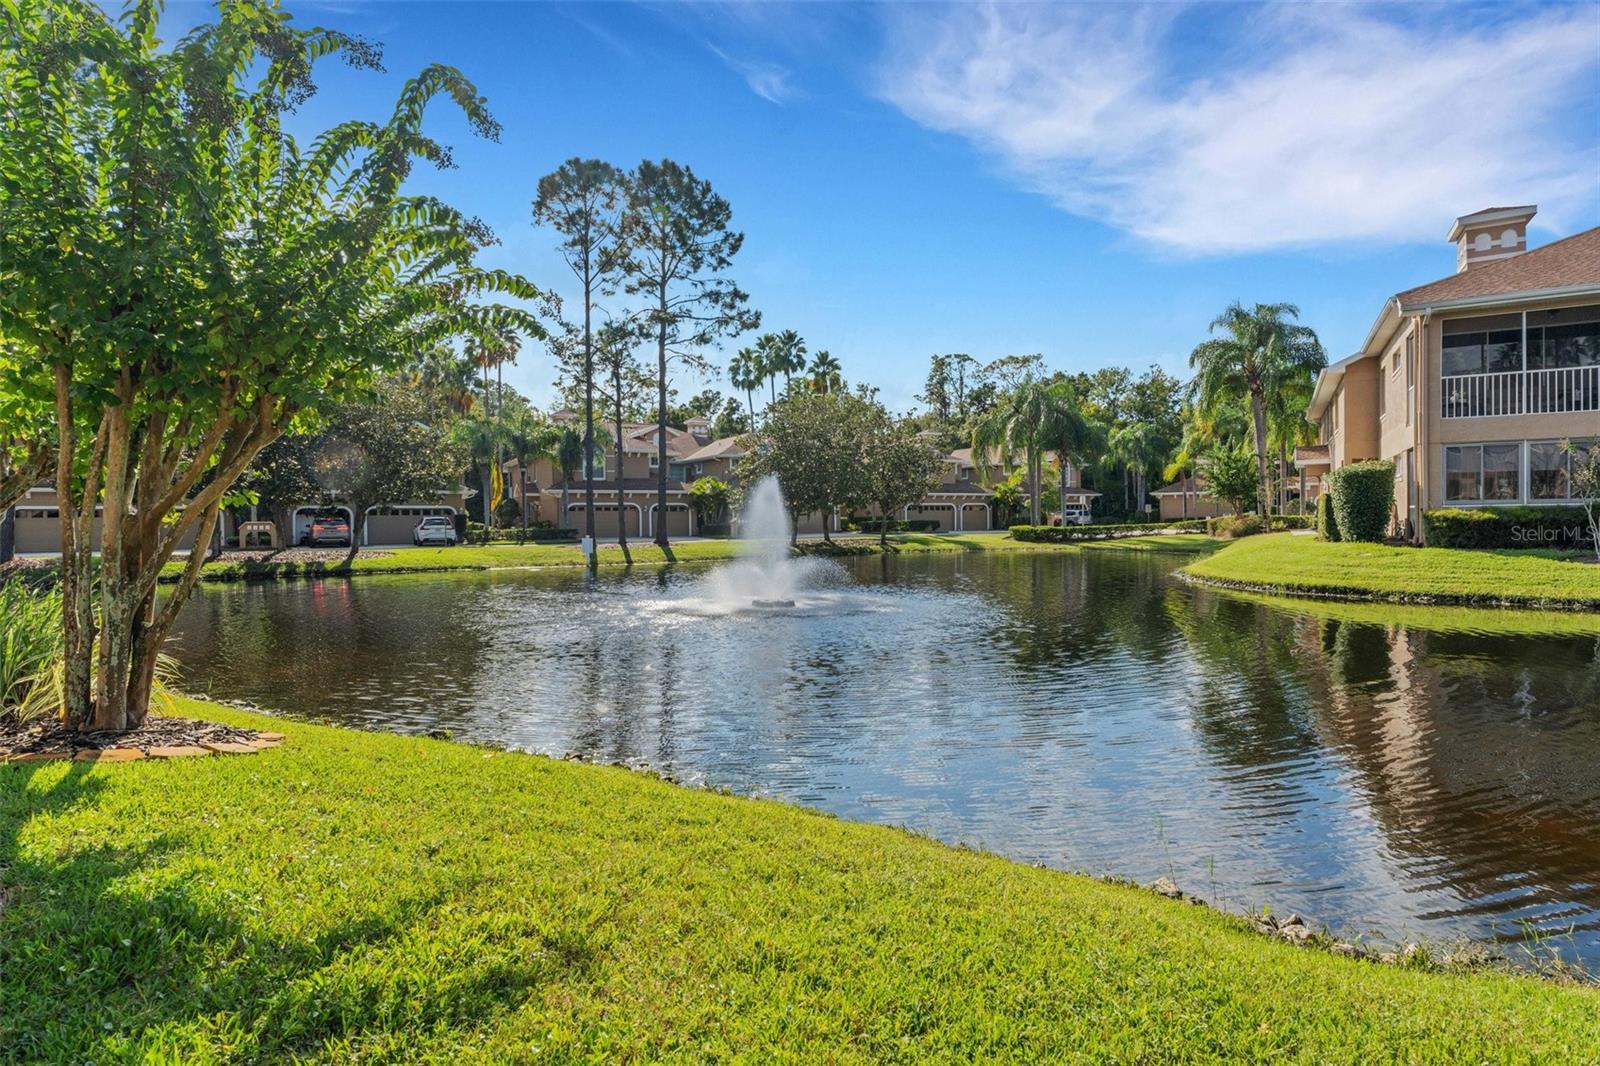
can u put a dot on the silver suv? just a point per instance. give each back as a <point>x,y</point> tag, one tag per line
<point>435,529</point>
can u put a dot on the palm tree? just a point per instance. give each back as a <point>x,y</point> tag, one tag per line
<point>483,437</point>
<point>1068,430</point>
<point>529,438</point>
<point>1016,424</point>
<point>440,370</point>
<point>1287,401</point>
<point>781,353</point>
<point>1259,350</point>
<point>1136,446</point>
<point>745,373</point>
<point>569,457</point>
<point>826,373</point>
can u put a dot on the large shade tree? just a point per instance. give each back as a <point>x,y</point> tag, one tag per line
<point>679,245</point>
<point>183,281</point>
<point>1259,349</point>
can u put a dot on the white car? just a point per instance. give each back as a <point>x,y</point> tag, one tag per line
<point>435,529</point>
<point>1076,516</point>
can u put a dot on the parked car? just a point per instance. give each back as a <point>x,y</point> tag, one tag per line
<point>329,530</point>
<point>1076,515</point>
<point>435,529</point>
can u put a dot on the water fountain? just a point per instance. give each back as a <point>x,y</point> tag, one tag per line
<point>764,530</point>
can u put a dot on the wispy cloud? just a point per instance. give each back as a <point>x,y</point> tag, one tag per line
<point>1275,127</point>
<point>770,81</point>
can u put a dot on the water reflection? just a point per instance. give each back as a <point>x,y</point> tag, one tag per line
<point>1084,710</point>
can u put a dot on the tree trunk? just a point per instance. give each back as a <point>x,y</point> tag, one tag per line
<point>661,430</point>
<point>358,526</point>
<point>588,403</point>
<point>622,512</point>
<point>1259,413</point>
<point>827,517</point>
<point>488,505</point>
<point>8,534</point>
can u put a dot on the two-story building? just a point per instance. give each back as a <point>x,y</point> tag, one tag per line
<point>1472,384</point>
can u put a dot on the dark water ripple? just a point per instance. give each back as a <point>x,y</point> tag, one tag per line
<point>1086,711</point>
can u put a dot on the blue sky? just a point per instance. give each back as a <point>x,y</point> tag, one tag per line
<point>1091,182</point>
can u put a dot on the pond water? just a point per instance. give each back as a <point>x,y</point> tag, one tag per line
<point>1390,773</point>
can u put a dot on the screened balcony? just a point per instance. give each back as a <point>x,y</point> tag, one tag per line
<point>1547,362</point>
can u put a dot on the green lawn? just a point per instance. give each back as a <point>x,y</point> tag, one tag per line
<point>364,896</point>
<point>1282,562</point>
<point>498,556</point>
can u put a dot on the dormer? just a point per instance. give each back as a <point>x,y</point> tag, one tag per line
<point>1491,234</point>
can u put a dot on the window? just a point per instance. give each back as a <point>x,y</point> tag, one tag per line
<point>599,464</point>
<point>1491,352</point>
<point>1564,346</point>
<point>963,473</point>
<point>655,460</point>
<point>1411,360</point>
<point>1548,469</point>
<point>1490,472</point>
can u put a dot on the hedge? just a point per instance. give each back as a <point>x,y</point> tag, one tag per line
<point>1292,521</point>
<point>1327,524</point>
<point>1507,527</point>
<point>1068,534</point>
<point>1234,526</point>
<point>1363,496</point>
<point>875,525</point>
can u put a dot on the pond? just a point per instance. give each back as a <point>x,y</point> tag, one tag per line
<point>1391,773</point>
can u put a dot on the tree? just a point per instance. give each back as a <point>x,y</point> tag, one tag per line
<point>782,353</point>
<point>745,373</point>
<point>570,454</point>
<point>481,437</point>
<point>582,200</point>
<point>1260,350</point>
<point>678,246</point>
<point>1231,476</point>
<point>825,373</point>
<point>195,282</point>
<point>384,447</point>
<point>815,444</point>
<point>709,498</point>
<point>1136,447</point>
<point>1585,485</point>
<point>732,421</point>
<point>627,384</point>
<point>1068,431</point>
<point>1015,427</point>
<point>703,404</point>
<point>528,439</point>
<point>902,468</point>
<point>937,392</point>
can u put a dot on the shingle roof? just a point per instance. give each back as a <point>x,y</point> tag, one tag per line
<point>721,448</point>
<point>1569,262</point>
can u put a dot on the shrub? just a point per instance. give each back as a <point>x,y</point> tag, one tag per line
<point>1363,497</point>
<point>1327,524</point>
<point>1291,521</point>
<point>30,641</point>
<point>875,525</point>
<point>1507,527</point>
<point>1068,534</point>
<point>509,513</point>
<point>1234,526</point>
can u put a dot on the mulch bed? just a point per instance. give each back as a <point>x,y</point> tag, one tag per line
<point>296,555</point>
<point>157,738</point>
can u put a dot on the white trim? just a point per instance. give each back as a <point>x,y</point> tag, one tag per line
<point>1467,303</point>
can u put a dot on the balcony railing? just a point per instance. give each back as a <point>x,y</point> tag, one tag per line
<point>1514,392</point>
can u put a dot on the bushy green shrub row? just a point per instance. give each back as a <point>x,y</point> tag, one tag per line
<point>896,525</point>
<point>1507,527</point>
<point>1327,524</point>
<point>1292,521</point>
<point>1234,526</point>
<point>1068,534</point>
<point>1363,496</point>
<point>537,535</point>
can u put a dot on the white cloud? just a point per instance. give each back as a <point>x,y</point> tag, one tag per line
<point>1275,127</point>
<point>770,81</point>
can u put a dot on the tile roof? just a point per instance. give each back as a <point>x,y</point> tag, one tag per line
<point>721,448</point>
<point>1569,262</point>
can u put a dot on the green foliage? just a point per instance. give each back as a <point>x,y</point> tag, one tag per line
<point>1363,499</point>
<point>1508,527</point>
<point>1327,520</point>
<point>709,498</point>
<point>901,467</point>
<point>30,640</point>
<point>818,446</point>
<point>1280,522</point>
<point>1230,475</point>
<point>1234,526</point>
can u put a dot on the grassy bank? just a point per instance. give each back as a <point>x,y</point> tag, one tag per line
<point>1284,563</point>
<point>500,556</point>
<point>368,896</point>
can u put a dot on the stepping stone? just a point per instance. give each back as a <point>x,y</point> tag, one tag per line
<point>36,756</point>
<point>177,751</point>
<point>109,755</point>
<point>276,738</point>
<point>228,747</point>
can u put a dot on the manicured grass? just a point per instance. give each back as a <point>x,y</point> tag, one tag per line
<point>1283,562</point>
<point>499,556</point>
<point>364,896</point>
